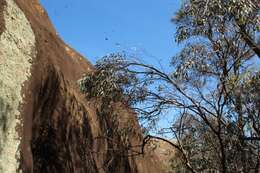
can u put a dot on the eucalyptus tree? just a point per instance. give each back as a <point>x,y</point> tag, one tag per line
<point>212,89</point>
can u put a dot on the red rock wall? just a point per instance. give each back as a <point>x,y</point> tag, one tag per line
<point>60,130</point>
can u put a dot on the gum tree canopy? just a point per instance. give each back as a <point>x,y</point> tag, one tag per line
<point>209,17</point>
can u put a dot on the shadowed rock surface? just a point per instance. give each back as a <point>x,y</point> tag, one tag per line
<point>46,124</point>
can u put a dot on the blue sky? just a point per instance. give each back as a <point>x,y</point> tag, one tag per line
<point>98,27</point>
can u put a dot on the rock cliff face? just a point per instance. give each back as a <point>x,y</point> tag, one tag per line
<point>46,124</point>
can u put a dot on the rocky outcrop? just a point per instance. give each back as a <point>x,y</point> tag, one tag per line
<point>46,124</point>
<point>165,152</point>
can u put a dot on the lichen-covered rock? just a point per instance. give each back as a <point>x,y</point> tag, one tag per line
<point>46,124</point>
<point>17,47</point>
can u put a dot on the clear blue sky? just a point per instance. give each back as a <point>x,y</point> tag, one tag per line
<point>98,27</point>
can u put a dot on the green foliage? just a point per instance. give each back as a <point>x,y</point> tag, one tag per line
<point>113,81</point>
<point>209,17</point>
<point>105,81</point>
